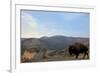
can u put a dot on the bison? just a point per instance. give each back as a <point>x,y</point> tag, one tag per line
<point>77,49</point>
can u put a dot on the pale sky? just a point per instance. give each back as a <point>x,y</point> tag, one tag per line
<point>45,23</point>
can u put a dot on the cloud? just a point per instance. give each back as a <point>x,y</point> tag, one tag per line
<point>29,25</point>
<point>28,20</point>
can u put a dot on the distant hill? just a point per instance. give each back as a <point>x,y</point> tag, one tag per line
<point>54,42</point>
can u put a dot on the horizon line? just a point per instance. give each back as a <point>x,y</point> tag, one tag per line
<point>57,35</point>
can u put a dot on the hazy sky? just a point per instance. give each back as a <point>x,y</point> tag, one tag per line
<point>44,23</point>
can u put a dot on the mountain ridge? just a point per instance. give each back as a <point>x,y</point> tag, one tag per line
<point>53,42</point>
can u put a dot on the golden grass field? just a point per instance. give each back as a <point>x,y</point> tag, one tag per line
<point>55,57</point>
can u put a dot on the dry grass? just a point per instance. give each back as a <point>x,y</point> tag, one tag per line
<point>58,57</point>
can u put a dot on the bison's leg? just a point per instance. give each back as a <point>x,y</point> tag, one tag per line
<point>70,53</point>
<point>85,53</point>
<point>77,54</point>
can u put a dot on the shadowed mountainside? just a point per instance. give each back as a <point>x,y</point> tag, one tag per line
<point>54,42</point>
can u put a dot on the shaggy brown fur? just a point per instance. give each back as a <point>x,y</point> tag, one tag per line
<point>78,48</point>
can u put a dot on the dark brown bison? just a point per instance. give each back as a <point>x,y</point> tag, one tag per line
<point>77,49</point>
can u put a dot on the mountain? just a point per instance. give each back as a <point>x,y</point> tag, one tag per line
<point>54,42</point>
